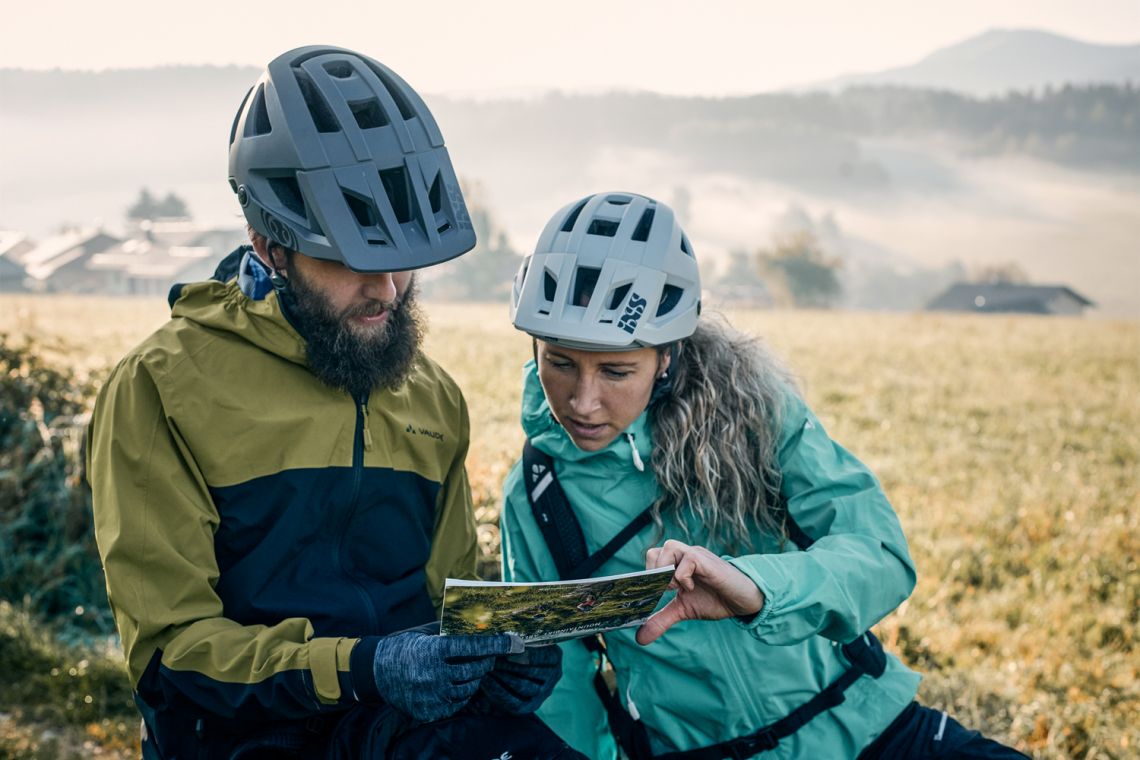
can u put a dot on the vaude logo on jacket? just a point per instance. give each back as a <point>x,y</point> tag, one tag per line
<point>423,431</point>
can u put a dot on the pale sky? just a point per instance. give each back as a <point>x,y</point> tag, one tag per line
<point>491,47</point>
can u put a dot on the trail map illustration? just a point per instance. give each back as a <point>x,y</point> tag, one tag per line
<point>552,611</point>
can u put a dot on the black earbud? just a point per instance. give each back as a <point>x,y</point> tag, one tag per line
<point>279,282</point>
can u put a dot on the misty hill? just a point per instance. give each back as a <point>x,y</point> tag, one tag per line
<point>173,120</point>
<point>1003,60</point>
<point>812,140</point>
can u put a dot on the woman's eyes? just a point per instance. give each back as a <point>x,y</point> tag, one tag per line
<point>613,374</point>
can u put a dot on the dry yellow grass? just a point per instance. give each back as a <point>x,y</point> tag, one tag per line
<point>1010,447</point>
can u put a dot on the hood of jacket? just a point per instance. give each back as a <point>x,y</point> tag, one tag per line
<point>253,313</point>
<point>547,435</point>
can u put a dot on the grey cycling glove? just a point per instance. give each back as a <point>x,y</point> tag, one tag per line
<point>430,677</point>
<point>520,683</point>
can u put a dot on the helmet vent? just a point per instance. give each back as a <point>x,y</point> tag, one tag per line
<point>394,90</point>
<point>435,194</point>
<point>288,192</point>
<point>237,117</point>
<point>618,200</point>
<point>322,115</point>
<point>368,114</point>
<point>570,220</point>
<point>618,296</point>
<point>603,227</point>
<point>585,279</point>
<point>549,286</point>
<point>395,183</point>
<point>641,233</point>
<point>339,69</point>
<point>670,297</point>
<point>257,123</point>
<point>685,245</point>
<point>361,210</point>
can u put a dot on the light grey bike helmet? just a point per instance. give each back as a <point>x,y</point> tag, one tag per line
<point>612,272</point>
<point>334,155</point>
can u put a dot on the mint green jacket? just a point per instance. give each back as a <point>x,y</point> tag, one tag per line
<point>704,682</point>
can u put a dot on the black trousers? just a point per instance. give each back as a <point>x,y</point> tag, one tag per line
<point>920,732</point>
<point>380,733</point>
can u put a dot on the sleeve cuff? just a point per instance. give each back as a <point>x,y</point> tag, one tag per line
<point>360,667</point>
<point>756,623</point>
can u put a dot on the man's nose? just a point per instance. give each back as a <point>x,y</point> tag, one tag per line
<point>380,287</point>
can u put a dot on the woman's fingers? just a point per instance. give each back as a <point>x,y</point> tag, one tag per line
<point>693,563</point>
<point>686,568</point>
<point>668,554</point>
<point>661,621</point>
<point>707,586</point>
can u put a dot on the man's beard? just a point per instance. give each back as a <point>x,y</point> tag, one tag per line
<point>352,361</point>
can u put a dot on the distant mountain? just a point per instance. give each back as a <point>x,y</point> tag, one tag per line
<point>1001,60</point>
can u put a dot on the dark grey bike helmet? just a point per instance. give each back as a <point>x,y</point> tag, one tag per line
<point>334,155</point>
<point>611,272</point>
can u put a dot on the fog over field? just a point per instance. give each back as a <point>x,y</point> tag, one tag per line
<point>897,181</point>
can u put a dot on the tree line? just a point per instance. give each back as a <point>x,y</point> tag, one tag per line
<point>776,134</point>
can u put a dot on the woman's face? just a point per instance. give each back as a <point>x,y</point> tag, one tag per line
<point>596,395</point>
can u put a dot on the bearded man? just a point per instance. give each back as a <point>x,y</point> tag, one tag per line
<point>278,472</point>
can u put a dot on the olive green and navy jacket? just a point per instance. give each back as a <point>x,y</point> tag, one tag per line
<point>706,682</point>
<point>259,530</point>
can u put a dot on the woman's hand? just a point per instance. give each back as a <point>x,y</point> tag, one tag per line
<point>708,588</point>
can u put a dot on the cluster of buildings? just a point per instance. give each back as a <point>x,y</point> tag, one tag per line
<point>151,257</point>
<point>156,254</point>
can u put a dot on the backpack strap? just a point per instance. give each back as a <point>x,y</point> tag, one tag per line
<point>559,525</point>
<point>624,536</point>
<point>563,534</point>
<point>553,512</point>
<point>768,737</point>
<point>630,733</point>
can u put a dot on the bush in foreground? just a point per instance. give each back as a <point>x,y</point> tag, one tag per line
<point>48,560</point>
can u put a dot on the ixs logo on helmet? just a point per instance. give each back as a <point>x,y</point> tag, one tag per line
<point>279,231</point>
<point>633,312</point>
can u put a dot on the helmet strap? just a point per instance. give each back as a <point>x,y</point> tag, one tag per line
<point>276,277</point>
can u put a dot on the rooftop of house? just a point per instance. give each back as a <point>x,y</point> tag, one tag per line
<point>1003,296</point>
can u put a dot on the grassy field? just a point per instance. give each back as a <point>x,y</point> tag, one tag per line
<point>1010,447</point>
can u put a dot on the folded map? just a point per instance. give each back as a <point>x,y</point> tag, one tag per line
<point>555,610</point>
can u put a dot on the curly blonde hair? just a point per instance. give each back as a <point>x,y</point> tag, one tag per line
<point>715,435</point>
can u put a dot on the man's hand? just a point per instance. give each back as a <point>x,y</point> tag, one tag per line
<point>430,677</point>
<point>708,588</point>
<point>520,683</point>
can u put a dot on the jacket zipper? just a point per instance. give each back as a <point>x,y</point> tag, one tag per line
<point>362,441</point>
